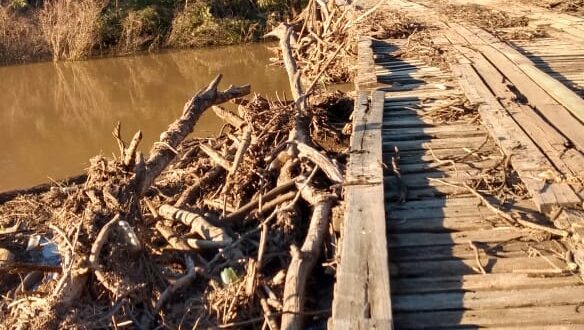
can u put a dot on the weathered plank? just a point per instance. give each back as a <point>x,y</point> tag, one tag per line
<point>432,239</point>
<point>470,142</point>
<point>569,161</point>
<point>439,224</point>
<point>469,266</point>
<point>464,251</point>
<point>562,94</point>
<point>366,76</point>
<point>481,282</point>
<point>526,158</point>
<point>539,317</point>
<point>489,299</point>
<point>537,96</point>
<point>362,291</point>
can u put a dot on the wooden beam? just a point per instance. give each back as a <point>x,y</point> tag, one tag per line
<point>362,292</point>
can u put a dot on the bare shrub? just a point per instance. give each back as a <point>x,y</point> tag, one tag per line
<point>71,27</point>
<point>20,37</point>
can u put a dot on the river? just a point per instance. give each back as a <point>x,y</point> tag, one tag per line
<point>55,116</point>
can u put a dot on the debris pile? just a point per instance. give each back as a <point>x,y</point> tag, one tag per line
<point>222,232</point>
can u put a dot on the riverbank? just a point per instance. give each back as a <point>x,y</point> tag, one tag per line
<point>67,30</point>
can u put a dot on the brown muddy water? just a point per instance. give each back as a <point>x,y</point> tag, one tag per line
<point>54,117</point>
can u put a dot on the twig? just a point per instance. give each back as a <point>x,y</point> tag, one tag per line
<point>477,257</point>
<point>131,150</point>
<point>197,222</point>
<point>171,289</point>
<point>323,69</point>
<point>509,218</point>
<point>260,319</point>
<point>216,157</point>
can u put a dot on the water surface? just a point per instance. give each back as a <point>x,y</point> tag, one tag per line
<point>54,117</point>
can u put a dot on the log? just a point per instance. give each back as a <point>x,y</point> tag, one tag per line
<point>303,260</point>
<point>162,152</point>
<point>283,32</point>
<point>197,222</point>
<point>330,169</point>
<point>300,131</point>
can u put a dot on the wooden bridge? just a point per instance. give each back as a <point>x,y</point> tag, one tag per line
<point>425,245</point>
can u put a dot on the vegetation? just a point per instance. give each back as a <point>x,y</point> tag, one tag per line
<point>71,27</point>
<point>77,29</point>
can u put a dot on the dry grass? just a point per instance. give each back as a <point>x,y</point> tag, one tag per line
<point>20,38</point>
<point>71,28</point>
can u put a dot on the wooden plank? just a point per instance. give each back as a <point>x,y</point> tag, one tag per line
<point>465,205</point>
<point>424,167</point>
<point>488,299</point>
<point>422,180</point>
<point>436,132</point>
<point>432,239</point>
<point>351,288</point>
<point>468,266</point>
<point>362,290</point>
<point>432,191</point>
<point>377,259</point>
<point>539,317</point>
<point>438,224</point>
<point>366,76</point>
<point>464,251</point>
<point>526,158</point>
<point>470,142</point>
<point>481,282</point>
<point>411,157</point>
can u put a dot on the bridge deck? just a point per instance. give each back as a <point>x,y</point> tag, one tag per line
<point>455,147</point>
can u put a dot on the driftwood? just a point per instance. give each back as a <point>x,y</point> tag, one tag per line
<point>130,152</point>
<point>197,222</point>
<point>189,194</point>
<point>229,117</point>
<point>300,132</point>
<point>183,281</point>
<point>216,157</point>
<point>330,169</point>
<point>303,260</point>
<point>162,152</point>
<point>283,32</point>
<point>266,198</point>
